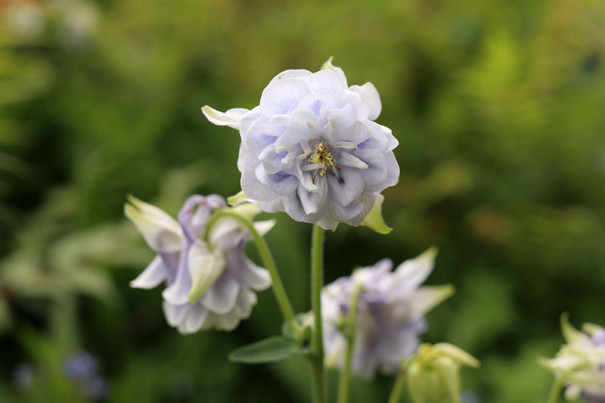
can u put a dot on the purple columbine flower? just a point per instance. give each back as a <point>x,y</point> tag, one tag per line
<point>390,313</point>
<point>208,277</point>
<point>311,147</point>
<point>581,362</point>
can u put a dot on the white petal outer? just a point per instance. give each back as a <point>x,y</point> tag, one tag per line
<point>426,298</point>
<point>254,188</point>
<point>161,232</point>
<point>152,276</point>
<point>205,267</point>
<point>262,227</point>
<point>194,318</point>
<point>177,292</point>
<point>255,277</point>
<point>245,301</point>
<point>231,118</point>
<point>290,74</point>
<point>325,80</point>
<point>174,313</point>
<point>348,188</point>
<point>330,67</point>
<point>228,321</point>
<point>411,273</point>
<point>282,96</point>
<point>221,297</point>
<point>369,98</point>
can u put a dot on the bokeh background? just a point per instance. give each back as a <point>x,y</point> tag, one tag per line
<point>499,110</point>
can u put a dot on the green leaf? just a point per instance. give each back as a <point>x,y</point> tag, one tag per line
<point>269,350</point>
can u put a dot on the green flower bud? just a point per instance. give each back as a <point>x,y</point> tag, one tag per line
<point>433,373</point>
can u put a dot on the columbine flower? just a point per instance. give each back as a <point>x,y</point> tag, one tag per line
<point>390,313</point>
<point>312,148</point>
<point>433,373</point>
<point>581,362</point>
<point>208,277</point>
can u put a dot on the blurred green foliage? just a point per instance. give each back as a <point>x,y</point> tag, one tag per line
<point>498,110</point>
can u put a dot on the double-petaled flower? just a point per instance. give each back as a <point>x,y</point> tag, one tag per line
<point>208,278</point>
<point>580,364</point>
<point>311,147</point>
<point>390,313</point>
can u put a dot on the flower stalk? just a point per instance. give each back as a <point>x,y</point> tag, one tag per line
<point>317,347</point>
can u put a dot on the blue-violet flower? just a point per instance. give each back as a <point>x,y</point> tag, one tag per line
<point>208,277</point>
<point>390,314</point>
<point>311,147</point>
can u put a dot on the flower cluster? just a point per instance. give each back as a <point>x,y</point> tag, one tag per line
<point>82,368</point>
<point>390,313</point>
<point>580,363</point>
<point>311,147</point>
<point>208,277</point>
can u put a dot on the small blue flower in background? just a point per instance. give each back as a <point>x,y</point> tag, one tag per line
<point>208,277</point>
<point>82,369</point>
<point>390,314</point>
<point>312,148</point>
<point>80,366</point>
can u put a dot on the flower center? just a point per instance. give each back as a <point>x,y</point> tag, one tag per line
<point>323,159</point>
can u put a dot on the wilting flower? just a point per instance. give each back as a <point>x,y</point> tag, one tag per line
<point>208,277</point>
<point>312,148</point>
<point>390,313</point>
<point>580,363</point>
<point>433,373</point>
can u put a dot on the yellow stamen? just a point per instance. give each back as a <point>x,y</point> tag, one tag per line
<point>323,159</point>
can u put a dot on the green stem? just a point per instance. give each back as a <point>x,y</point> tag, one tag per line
<point>63,322</point>
<point>398,387</point>
<point>317,345</point>
<point>351,327</point>
<point>555,391</point>
<point>265,254</point>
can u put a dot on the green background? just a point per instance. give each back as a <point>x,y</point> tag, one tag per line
<point>498,109</point>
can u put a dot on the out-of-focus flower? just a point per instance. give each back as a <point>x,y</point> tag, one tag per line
<point>433,373</point>
<point>81,365</point>
<point>208,277</point>
<point>390,313</point>
<point>23,376</point>
<point>82,369</point>
<point>311,147</point>
<point>580,363</point>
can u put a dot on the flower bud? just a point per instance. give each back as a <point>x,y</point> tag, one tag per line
<point>433,373</point>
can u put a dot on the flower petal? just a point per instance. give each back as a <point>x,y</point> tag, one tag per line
<point>369,98</point>
<point>152,276</point>
<point>193,320</point>
<point>161,232</point>
<point>205,267</point>
<point>231,118</point>
<point>222,295</point>
<point>282,96</point>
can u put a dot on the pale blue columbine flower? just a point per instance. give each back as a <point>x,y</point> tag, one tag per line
<point>311,147</point>
<point>390,313</point>
<point>208,277</point>
<point>580,363</point>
